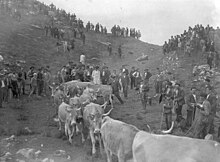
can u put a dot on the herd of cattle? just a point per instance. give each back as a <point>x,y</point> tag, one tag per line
<point>79,109</point>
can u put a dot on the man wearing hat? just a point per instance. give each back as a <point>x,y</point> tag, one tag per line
<point>202,124</point>
<point>213,102</point>
<point>147,75</point>
<point>105,74</point>
<point>30,74</point>
<point>137,76</point>
<point>191,101</point>
<point>1,88</point>
<point>116,87</point>
<point>96,75</point>
<point>179,100</point>
<point>125,82</point>
<point>132,78</point>
<point>158,82</point>
<point>168,105</point>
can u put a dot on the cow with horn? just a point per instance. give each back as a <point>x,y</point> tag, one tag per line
<point>92,116</point>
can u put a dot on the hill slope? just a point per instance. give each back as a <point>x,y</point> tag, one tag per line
<point>25,40</point>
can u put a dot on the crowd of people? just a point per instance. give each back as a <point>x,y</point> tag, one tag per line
<point>202,102</point>
<point>124,32</point>
<point>196,39</point>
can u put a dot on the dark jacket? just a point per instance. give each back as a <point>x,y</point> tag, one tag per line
<point>116,87</point>
<point>213,102</point>
<point>189,101</point>
<point>180,97</point>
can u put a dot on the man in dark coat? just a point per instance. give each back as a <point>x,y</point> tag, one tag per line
<point>125,82</point>
<point>105,74</point>
<point>147,75</point>
<point>179,100</point>
<point>213,102</point>
<point>132,77</point>
<point>191,107</point>
<point>1,89</point>
<point>40,81</point>
<point>116,88</point>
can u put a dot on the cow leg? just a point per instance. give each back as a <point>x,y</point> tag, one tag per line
<point>77,130</point>
<point>65,129</point>
<point>93,142</point>
<point>108,153</point>
<point>60,125</point>
<point>121,156</point>
<point>83,138</point>
<point>100,144</point>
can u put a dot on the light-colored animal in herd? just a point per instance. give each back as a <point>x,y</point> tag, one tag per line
<point>117,138</point>
<point>168,148</point>
<point>68,116</point>
<point>92,116</point>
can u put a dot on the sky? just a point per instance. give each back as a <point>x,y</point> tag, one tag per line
<point>157,20</point>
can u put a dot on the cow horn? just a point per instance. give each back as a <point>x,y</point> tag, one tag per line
<point>78,109</point>
<point>68,109</point>
<point>104,105</point>
<point>98,90</point>
<point>168,131</point>
<point>106,114</point>
<point>149,129</point>
<point>87,101</point>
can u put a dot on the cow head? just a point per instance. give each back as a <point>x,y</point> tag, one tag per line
<point>53,88</point>
<point>71,116</point>
<point>95,117</point>
<point>75,104</point>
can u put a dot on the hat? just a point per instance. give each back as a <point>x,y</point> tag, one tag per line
<point>207,80</point>
<point>177,84</point>
<point>193,87</point>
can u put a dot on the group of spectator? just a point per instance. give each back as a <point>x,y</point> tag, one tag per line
<point>16,84</point>
<point>124,32</point>
<point>98,28</point>
<point>196,39</point>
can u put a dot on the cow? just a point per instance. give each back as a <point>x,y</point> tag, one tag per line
<point>68,115</point>
<point>58,95</point>
<point>74,84</point>
<point>169,148</point>
<point>92,116</point>
<point>104,91</point>
<point>117,138</point>
<point>75,104</point>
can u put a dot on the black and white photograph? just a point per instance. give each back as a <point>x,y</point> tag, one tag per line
<point>109,81</point>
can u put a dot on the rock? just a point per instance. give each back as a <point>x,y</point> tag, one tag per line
<point>47,160</point>
<point>18,160</point>
<point>27,152</point>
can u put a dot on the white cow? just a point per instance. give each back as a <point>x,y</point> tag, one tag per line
<point>168,148</point>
